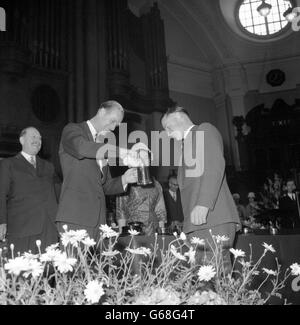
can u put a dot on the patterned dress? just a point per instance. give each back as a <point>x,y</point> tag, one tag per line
<point>143,204</point>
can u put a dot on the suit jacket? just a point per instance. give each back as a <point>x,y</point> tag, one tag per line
<point>27,195</point>
<point>210,189</point>
<point>289,212</point>
<point>82,199</point>
<point>174,208</point>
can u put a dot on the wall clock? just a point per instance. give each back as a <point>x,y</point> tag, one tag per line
<point>275,77</point>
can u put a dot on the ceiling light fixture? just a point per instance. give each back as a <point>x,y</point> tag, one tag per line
<point>289,14</point>
<point>264,9</point>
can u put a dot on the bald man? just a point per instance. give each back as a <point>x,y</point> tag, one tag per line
<point>28,201</point>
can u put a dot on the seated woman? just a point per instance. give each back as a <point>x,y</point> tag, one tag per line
<point>252,208</point>
<point>143,204</point>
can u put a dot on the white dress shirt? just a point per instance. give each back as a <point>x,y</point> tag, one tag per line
<point>292,196</point>
<point>94,134</point>
<point>188,131</point>
<point>28,157</point>
<point>173,194</point>
<point>101,162</point>
<point>185,134</point>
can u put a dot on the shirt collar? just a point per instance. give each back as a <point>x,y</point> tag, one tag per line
<point>188,131</point>
<point>172,193</point>
<point>27,156</point>
<point>92,129</point>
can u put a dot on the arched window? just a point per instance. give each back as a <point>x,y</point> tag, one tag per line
<point>2,20</point>
<point>252,22</point>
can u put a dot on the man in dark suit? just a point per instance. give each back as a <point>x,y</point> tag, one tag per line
<point>206,200</point>
<point>289,207</point>
<point>28,201</point>
<point>86,175</point>
<point>173,204</point>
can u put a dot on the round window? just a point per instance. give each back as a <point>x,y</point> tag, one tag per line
<point>264,19</point>
<point>45,104</point>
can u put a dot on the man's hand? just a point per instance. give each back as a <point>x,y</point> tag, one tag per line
<point>130,177</point>
<point>3,229</point>
<point>199,215</point>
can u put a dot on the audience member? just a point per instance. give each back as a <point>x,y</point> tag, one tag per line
<point>28,201</point>
<point>173,204</point>
<point>289,206</point>
<point>241,209</point>
<point>252,208</point>
<point>142,204</point>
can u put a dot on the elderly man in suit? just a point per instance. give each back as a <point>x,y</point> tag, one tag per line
<point>28,201</point>
<point>207,203</point>
<point>86,175</point>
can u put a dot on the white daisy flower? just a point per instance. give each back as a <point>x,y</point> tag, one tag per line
<point>198,241</point>
<point>191,254</point>
<point>269,247</point>
<point>206,273</point>
<point>35,269</point>
<point>64,264</point>
<point>17,265</point>
<point>295,269</point>
<point>221,239</point>
<point>183,236</point>
<point>110,253</point>
<point>237,253</point>
<point>270,272</point>
<point>51,255</point>
<point>133,232</point>
<point>94,291</point>
<point>176,254</point>
<point>30,256</point>
<point>89,242</point>
<point>108,232</point>
<point>139,251</point>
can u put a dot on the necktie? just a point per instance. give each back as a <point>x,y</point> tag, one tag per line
<point>182,151</point>
<point>174,196</point>
<point>32,161</point>
<point>100,162</point>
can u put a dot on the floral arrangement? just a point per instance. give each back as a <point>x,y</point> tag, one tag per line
<point>253,224</point>
<point>271,192</point>
<point>72,274</point>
